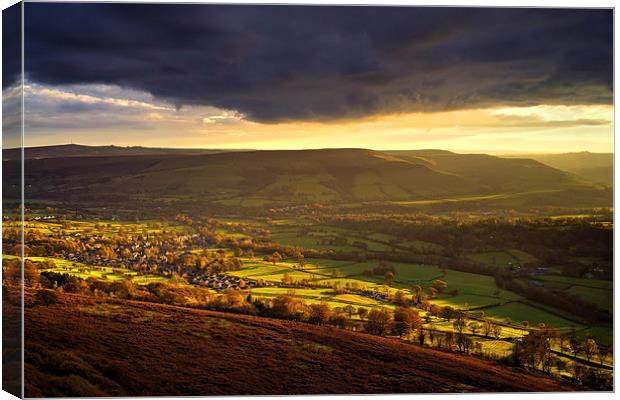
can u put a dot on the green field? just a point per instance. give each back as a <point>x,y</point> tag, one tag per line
<point>420,245</point>
<point>406,274</point>
<point>519,312</point>
<point>104,228</point>
<point>466,301</point>
<point>602,333</point>
<point>475,284</point>
<point>320,295</point>
<point>91,271</point>
<point>601,297</point>
<point>502,258</point>
<point>294,238</point>
<point>325,279</point>
<point>568,280</point>
<point>255,269</point>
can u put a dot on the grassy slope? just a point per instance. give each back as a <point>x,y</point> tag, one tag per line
<point>596,167</point>
<point>130,348</point>
<point>260,177</point>
<point>76,150</point>
<point>498,174</point>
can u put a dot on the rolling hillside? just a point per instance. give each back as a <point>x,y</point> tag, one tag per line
<point>82,347</point>
<point>76,150</point>
<point>259,178</point>
<point>495,173</point>
<point>595,167</point>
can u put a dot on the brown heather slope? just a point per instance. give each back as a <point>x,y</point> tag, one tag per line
<point>81,347</point>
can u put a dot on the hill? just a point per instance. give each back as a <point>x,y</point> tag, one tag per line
<point>595,167</point>
<point>259,178</point>
<point>497,174</point>
<point>263,176</point>
<point>76,150</point>
<point>82,347</point>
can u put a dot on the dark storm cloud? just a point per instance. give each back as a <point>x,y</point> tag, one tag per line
<point>276,63</point>
<point>11,45</point>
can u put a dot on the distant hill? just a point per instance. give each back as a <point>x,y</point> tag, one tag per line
<point>76,150</point>
<point>495,173</point>
<point>259,178</point>
<point>595,167</point>
<point>82,347</point>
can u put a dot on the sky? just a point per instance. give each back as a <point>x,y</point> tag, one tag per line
<point>290,77</point>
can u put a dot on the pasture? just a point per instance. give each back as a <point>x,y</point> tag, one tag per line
<point>517,312</point>
<point>104,273</point>
<point>601,297</point>
<point>477,285</point>
<point>321,280</point>
<point>502,259</point>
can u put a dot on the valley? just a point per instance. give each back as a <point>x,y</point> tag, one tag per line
<point>407,245</point>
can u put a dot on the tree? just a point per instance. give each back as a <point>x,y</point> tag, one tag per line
<point>440,340</point>
<point>432,292</point>
<point>389,277</point>
<point>338,320</point>
<point>487,328</point>
<point>563,341</point>
<point>362,312</point>
<point>449,340</point>
<point>287,279</point>
<point>18,248</point>
<point>349,309</point>
<point>288,307</point>
<point>431,333</point>
<point>421,337</point>
<point>379,321</point>
<point>473,327</point>
<point>400,298</point>
<point>463,342</point>
<point>297,255</point>
<point>406,320</point>
<point>416,289</point>
<point>320,313</point>
<point>459,325</point>
<point>602,354</point>
<point>574,342</point>
<point>276,258</point>
<point>440,285</point>
<point>534,350</point>
<point>447,313</point>
<point>497,331</point>
<point>417,293</point>
<point>590,348</point>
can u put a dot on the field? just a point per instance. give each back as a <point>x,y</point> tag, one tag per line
<point>469,291</point>
<point>599,292</point>
<point>601,297</point>
<point>475,292</point>
<point>106,227</point>
<point>84,271</point>
<point>70,352</point>
<point>593,283</point>
<point>519,312</point>
<point>319,240</point>
<point>503,258</point>
<point>336,276</point>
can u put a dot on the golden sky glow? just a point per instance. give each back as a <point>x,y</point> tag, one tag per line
<point>101,115</point>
